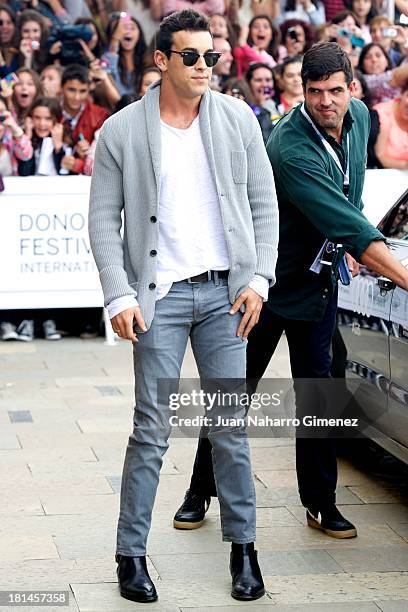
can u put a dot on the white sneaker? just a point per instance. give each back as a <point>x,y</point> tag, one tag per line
<point>25,331</point>
<point>50,330</point>
<point>8,331</point>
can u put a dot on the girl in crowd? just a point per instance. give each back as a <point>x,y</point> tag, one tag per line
<point>8,50</point>
<point>161,8</point>
<point>364,10</point>
<point>26,90</point>
<point>346,31</point>
<point>14,144</point>
<point>32,43</point>
<point>297,36</point>
<point>382,80</point>
<point>221,26</point>
<point>50,79</point>
<point>290,83</point>
<point>260,80</point>
<point>261,46</point>
<point>149,76</point>
<point>310,11</point>
<point>94,48</point>
<point>126,49</point>
<point>44,128</point>
<point>392,143</point>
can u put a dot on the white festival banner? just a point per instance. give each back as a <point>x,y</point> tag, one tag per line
<point>45,255</point>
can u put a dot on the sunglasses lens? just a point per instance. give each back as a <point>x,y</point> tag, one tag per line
<point>211,59</point>
<point>190,58</point>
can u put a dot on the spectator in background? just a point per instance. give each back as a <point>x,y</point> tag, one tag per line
<point>289,82</point>
<point>32,40</point>
<point>81,117</point>
<point>149,76</point>
<point>262,45</point>
<point>361,92</point>
<point>125,54</point>
<point>346,32</point>
<point>222,69</point>
<point>391,147</point>
<point>103,90</point>
<point>382,80</point>
<point>44,128</point>
<point>50,79</point>
<point>380,29</point>
<point>364,10</point>
<point>297,36</point>
<point>261,84</point>
<point>333,7</point>
<point>94,48</point>
<point>8,49</point>
<point>309,11</point>
<point>162,8</point>
<point>26,90</point>
<point>14,144</point>
<point>221,26</point>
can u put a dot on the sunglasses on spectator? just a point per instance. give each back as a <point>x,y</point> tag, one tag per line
<point>191,57</point>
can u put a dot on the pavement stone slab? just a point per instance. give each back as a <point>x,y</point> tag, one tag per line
<point>331,588</point>
<point>374,559</point>
<point>363,606</point>
<point>383,493</point>
<point>9,441</point>
<point>393,606</point>
<point>364,513</point>
<point>15,547</point>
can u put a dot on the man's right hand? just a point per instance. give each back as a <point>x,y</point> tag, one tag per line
<point>123,323</point>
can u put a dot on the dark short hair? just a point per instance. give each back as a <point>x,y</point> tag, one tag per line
<point>52,104</point>
<point>323,60</point>
<point>368,48</point>
<point>254,66</point>
<point>75,72</point>
<point>177,22</point>
<point>291,59</point>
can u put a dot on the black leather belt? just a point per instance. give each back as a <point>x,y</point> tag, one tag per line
<point>207,276</point>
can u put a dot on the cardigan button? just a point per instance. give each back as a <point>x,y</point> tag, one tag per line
<point>152,286</point>
<point>153,252</point>
<point>153,219</point>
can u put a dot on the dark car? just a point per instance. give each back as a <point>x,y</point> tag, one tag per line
<point>372,341</point>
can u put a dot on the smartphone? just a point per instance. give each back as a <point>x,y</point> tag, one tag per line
<point>35,45</point>
<point>293,34</point>
<point>11,78</point>
<point>2,117</point>
<point>389,32</point>
<point>344,33</point>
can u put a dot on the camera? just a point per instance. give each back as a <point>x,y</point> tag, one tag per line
<point>389,32</point>
<point>35,45</point>
<point>293,34</point>
<point>68,35</point>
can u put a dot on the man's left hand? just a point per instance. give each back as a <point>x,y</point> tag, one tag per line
<point>353,265</point>
<point>253,306</point>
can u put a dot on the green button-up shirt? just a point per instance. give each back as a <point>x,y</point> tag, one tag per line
<point>312,207</point>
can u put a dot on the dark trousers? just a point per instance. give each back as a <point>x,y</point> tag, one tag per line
<point>310,357</point>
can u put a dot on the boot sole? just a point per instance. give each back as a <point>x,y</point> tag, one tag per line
<point>185,525</point>
<point>133,597</point>
<point>348,533</point>
<point>248,597</point>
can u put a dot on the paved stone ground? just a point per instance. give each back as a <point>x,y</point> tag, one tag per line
<point>65,415</point>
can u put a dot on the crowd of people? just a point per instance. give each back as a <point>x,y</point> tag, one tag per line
<point>67,65</point>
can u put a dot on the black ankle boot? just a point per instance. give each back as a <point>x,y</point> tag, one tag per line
<point>134,580</point>
<point>192,511</point>
<point>331,521</point>
<point>247,583</point>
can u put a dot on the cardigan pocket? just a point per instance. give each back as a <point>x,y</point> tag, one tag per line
<point>239,166</point>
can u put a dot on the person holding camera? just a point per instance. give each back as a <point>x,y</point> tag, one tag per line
<point>258,43</point>
<point>14,144</point>
<point>297,36</point>
<point>8,43</point>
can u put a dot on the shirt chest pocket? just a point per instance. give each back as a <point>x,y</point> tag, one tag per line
<point>239,166</point>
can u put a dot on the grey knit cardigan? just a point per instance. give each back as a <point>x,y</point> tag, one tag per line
<point>126,177</point>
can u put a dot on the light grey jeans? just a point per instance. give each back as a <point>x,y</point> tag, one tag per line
<point>200,311</point>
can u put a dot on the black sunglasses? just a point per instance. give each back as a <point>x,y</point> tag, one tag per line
<point>191,57</point>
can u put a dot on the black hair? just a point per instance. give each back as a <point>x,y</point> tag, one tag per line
<point>291,59</point>
<point>366,92</point>
<point>323,60</point>
<point>178,22</point>
<point>364,52</point>
<point>273,47</point>
<point>306,27</point>
<point>98,51</point>
<point>125,100</point>
<point>254,66</point>
<point>339,17</point>
<point>138,53</point>
<point>75,72</point>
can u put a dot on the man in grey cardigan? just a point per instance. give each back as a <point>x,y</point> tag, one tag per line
<point>188,169</point>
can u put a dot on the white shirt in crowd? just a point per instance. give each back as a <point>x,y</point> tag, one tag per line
<point>191,233</point>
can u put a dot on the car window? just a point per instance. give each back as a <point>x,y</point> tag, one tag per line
<point>395,224</point>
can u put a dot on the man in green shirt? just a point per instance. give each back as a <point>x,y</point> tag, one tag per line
<point>318,155</point>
